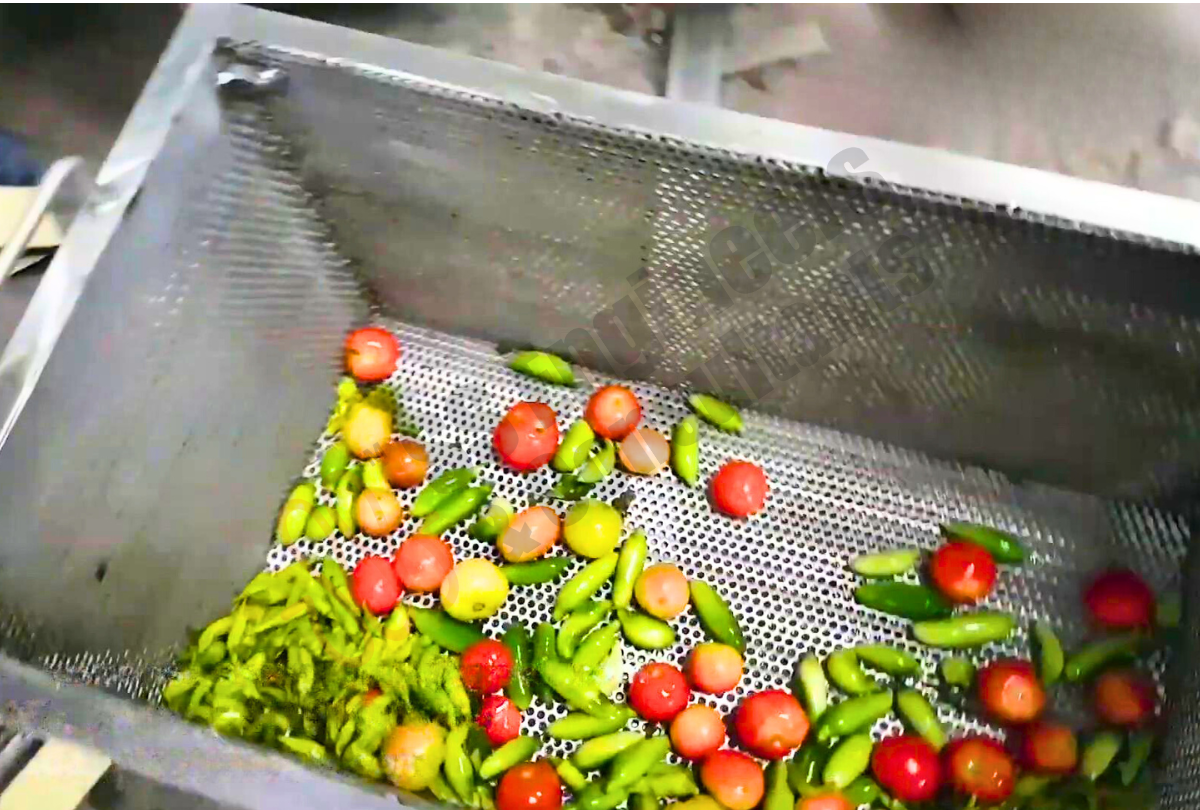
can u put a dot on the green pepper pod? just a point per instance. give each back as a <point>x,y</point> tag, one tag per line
<point>334,464</point>
<point>669,782</point>
<point>543,366</point>
<point>717,413</point>
<point>580,726</point>
<point>635,761</point>
<point>805,769</point>
<point>1049,653</point>
<point>599,750</point>
<point>321,523</point>
<point>443,486</point>
<point>643,800</point>
<point>957,672</point>
<point>333,577</point>
<point>1098,754</point>
<point>921,716</point>
<point>599,465</point>
<point>305,748</point>
<point>454,509</point>
<point>715,616</point>
<point>580,588</point>
<point>493,521</point>
<point>890,660</point>
<point>373,477</point>
<point>595,797</point>
<point>863,790</point>
<point>848,761</point>
<point>1032,784</point>
<point>903,599</point>
<point>575,447</point>
<point>1141,743</point>
<point>779,794</point>
<point>1091,658</point>
<point>685,451</point>
<point>512,753</point>
<point>966,630</point>
<point>216,629</point>
<point>847,675</point>
<point>543,650</point>
<point>891,563</point>
<point>579,624</point>
<point>447,632</point>
<point>645,631</point>
<point>536,572</point>
<point>853,715</point>
<point>294,516</point>
<point>571,776</point>
<point>1004,547</point>
<point>520,644</point>
<point>594,649</point>
<point>812,686</point>
<point>576,688</point>
<point>348,487</point>
<point>457,765</point>
<point>630,562</point>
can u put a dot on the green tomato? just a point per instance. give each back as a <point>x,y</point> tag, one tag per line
<point>592,528</point>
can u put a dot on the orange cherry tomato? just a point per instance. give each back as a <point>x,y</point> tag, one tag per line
<point>1124,697</point>
<point>1011,692</point>
<point>963,572</point>
<point>530,534</point>
<point>697,731</point>
<point>662,591</point>
<point>422,562</point>
<point>824,801</point>
<point>1050,748</point>
<point>714,668</point>
<point>644,451</point>
<point>770,724</point>
<point>378,512</point>
<point>371,354</point>
<point>613,412</point>
<point>733,779</point>
<point>980,767</point>
<point>530,786</point>
<point>405,463</point>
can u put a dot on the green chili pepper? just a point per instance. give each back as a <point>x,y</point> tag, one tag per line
<point>889,563</point>
<point>294,515</point>
<point>966,630</point>
<point>267,587</point>
<point>333,577</point>
<point>571,776</point>
<point>630,562</point>
<point>1004,547</point>
<point>345,737</point>
<point>645,631</point>
<point>717,413</point>
<point>1140,745</point>
<point>442,791</point>
<point>362,762</point>
<point>669,782</point>
<point>237,630</point>
<point>847,675</point>
<point>812,686</point>
<point>443,486</point>
<point>594,797</point>
<point>580,726</point>
<point>1099,754</point>
<point>903,599</point>
<point>543,650</point>
<point>179,688</point>
<point>520,644</point>
<point>779,794</point>
<point>334,464</point>
<point>853,715</point>
<point>715,616</point>
<point>536,572</point>
<point>215,630</point>
<point>457,764</point>
<point>1091,658</point>
<point>921,716</point>
<point>483,798</point>
<point>848,761</point>
<point>373,477</point>
<point>863,790</point>
<point>543,366</point>
<point>575,688</point>
<point>599,750</point>
<point>594,649</point>
<point>1050,653</point>
<point>685,450</point>
<point>229,717</point>
<point>282,616</point>
<point>634,762</point>
<point>455,509</point>
<point>322,522</point>
<point>804,771</point>
<point>448,633</point>
<point>599,465</point>
<point>579,624</point>
<point>890,660</point>
<point>580,588</point>
<point>397,629</point>
<point>493,521</point>
<point>513,752</point>
<point>575,447</point>
<point>958,672</point>
<point>312,751</point>
<point>348,487</point>
<point>643,800</point>
<point>1031,784</point>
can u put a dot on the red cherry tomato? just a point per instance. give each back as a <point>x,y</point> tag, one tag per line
<point>770,724</point>
<point>963,572</point>
<point>375,585</point>
<point>527,436</point>
<point>422,562</point>
<point>1011,692</point>
<point>486,666</point>
<point>907,767</point>
<point>530,786</point>
<point>714,668</point>
<point>733,779</point>
<point>697,731</point>
<point>658,692</point>
<point>613,412</point>
<point>1050,748</point>
<point>500,719</point>
<point>980,767</point>
<point>824,801</point>
<point>371,354</point>
<point>1124,697</point>
<point>1119,599</point>
<point>739,488</point>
